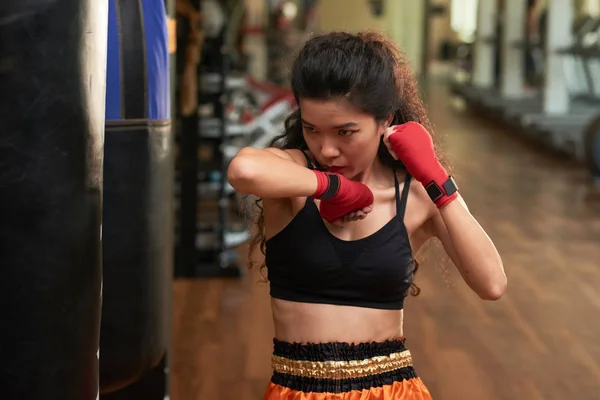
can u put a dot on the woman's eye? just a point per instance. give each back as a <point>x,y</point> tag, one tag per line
<point>309,128</point>
<point>345,132</point>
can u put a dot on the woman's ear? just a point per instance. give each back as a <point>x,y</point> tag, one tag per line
<point>386,124</point>
<point>389,120</point>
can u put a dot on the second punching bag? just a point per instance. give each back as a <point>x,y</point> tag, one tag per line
<point>138,179</point>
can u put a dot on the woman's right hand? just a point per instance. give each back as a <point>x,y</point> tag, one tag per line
<point>354,216</point>
<point>342,200</point>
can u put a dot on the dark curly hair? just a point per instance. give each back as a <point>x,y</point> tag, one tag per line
<point>368,70</point>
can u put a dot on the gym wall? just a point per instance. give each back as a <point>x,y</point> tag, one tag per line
<point>349,15</point>
<point>401,20</point>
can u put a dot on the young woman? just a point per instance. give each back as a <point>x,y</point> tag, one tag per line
<point>351,192</point>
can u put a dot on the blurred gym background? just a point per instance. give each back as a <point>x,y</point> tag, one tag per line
<point>513,90</point>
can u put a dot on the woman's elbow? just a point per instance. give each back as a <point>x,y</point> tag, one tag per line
<point>494,291</point>
<point>241,172</point>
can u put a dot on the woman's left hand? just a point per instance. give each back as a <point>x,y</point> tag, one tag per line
<point>412,144</point>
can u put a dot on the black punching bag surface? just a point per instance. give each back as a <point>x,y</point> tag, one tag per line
<point>138,193</point>
<point>52,85</point>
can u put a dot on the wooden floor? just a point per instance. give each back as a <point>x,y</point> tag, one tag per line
<point>540,341</point>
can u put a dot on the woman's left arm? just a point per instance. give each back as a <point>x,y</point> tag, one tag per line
<point>464,240</point>
<point>470,249</point>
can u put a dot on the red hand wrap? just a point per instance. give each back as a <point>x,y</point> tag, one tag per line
<point>340,196</point>
<point>414,147</point>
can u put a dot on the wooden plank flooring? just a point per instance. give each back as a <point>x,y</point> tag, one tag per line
<point>540,341</point>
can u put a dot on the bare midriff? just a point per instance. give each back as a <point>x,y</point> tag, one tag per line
<point>322,323</point>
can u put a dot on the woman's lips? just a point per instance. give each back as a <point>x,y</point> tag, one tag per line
<point>335,169</point>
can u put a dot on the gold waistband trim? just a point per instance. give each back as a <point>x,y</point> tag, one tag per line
<point>342,369</point>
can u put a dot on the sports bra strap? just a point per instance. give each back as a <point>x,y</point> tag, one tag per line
<point>309,163</point>
<point>401,202</point>
<point>397,190</point>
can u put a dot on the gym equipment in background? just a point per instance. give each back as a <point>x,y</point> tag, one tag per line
<point>233,111</point>
<point>592,149</point>
<point>591,133</point>
<point>51,137</point>
<point>215,256</point>
<point>530,115</point>
<point>562,132</point>
<point>137,209</point>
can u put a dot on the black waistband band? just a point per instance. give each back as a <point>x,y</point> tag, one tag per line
<point>337,351</point>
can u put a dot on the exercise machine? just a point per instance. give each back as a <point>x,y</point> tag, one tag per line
<point>558,114</point>
<point>591,132</point>
<point>563,131</point>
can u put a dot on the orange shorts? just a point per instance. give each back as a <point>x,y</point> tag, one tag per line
<point>342,371</point>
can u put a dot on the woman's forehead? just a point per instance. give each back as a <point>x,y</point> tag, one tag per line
<point>331,112</point>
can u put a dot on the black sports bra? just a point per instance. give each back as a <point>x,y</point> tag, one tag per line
<point>306,263</point>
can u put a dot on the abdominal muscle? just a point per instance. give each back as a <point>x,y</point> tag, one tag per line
<point>321,323</point>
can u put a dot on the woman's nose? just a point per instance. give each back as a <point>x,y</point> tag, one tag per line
<point>329,149</point>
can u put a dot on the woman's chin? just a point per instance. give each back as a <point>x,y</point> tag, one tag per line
<point>347,173</point>
<point>353,175</point>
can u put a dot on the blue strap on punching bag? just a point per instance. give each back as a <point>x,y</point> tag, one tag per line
<point>138,80</point>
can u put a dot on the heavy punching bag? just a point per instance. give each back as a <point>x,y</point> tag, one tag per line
<point>52,85</point>
<point>138,180</point>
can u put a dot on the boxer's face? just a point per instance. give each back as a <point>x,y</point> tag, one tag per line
<point>341,137</point>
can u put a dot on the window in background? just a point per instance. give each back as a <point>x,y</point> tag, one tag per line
<point>463,19</point>
<point>592,7</point>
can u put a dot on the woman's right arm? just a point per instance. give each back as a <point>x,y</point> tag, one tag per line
<point>271,173</point>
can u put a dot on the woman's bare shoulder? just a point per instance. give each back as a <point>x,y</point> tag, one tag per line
<point>419,210</point>
<point>292,154</point>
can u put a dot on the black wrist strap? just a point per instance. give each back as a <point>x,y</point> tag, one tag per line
<point>436,192</point>
<point>332,188</point>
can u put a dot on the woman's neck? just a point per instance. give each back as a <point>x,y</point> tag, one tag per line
<point>378,174</point>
